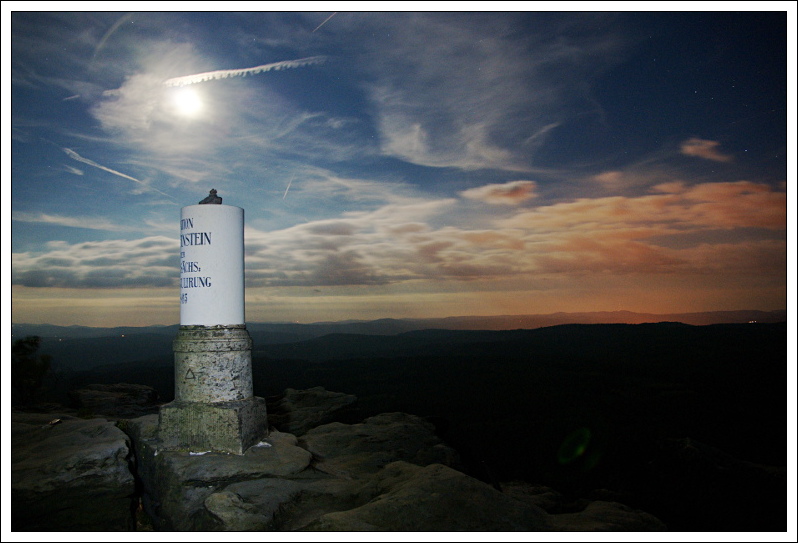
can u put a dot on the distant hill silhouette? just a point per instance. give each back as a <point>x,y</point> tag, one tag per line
<point>78,348</point>
<point>286,332</point>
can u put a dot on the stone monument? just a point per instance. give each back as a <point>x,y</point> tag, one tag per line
<point>214,407</point>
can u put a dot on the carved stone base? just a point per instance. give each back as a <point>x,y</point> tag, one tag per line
<point>230,427</point>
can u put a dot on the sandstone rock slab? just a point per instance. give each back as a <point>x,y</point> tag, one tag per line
<point>71,475</point>
<point>539,495</point>
<point>602,516</point>
<point>300,410</point>
<point>434,498</point>
<point>356,450</point>
<point>175,484</point>
<point>277,503</point>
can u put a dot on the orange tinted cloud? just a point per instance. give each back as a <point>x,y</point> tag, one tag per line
<point>708,205</point>
<point>599,254</point>
<point>642,235</point>
<point>707,149</point>
<point>609,255</point>
<point>730,205</point>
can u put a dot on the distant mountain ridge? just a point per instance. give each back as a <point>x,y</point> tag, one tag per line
<point>289,332</point>
<point>78,348</point>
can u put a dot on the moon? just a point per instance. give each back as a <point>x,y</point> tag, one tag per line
<point>187,102</point>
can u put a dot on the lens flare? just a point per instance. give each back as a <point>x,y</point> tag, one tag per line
<point>574,445</point>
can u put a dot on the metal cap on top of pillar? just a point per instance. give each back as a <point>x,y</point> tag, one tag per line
<point>214,407</point>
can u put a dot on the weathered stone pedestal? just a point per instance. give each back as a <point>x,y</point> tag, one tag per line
<point>230,427</point>
<point>214,408</point>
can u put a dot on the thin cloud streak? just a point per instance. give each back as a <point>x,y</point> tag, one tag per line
<point>451,93</point>
<point>324,22</point>
<point>91,223</point>
<point>288,187</point>
<point>75,156</point>
<point>119,22</point>
<point>510,193</point>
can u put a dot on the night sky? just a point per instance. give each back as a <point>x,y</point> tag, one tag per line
<point>400,164</point>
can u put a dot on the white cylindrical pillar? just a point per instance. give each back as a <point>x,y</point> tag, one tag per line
<point>211,265</point>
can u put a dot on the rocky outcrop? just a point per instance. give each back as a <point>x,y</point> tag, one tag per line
<point>355,450</point>
<point>390,472</point>
<point>352,489</point>
<point>601,516</point>
<point>175,484</point>
<point>408,497</point>
<point>69,474</point>
<point>281,484</point>
<point>297,411</point>
<point>278,504</point>
<point>387,473</point>
<point>121,400</point>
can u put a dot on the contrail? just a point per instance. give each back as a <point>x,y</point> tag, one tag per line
<point>73,155</point>
<point>289,186</point>
<point>325,20</point>
<point>223,74</point>
<point>107,35</point>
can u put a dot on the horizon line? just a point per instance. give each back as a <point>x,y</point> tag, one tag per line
<point>354,321</point>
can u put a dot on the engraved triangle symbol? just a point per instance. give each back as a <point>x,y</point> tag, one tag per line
<point>190,374</point>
